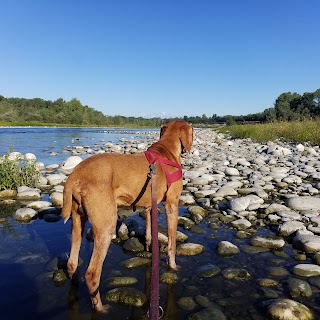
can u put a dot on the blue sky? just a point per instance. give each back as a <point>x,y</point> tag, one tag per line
<point>180,57</point>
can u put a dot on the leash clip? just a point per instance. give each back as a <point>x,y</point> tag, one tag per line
<point>161,313</point>
<point>153,168</point>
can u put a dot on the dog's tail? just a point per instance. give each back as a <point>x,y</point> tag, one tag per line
<point>67,202</point>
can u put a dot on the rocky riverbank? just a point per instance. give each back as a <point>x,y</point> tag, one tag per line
<point>249,221</point>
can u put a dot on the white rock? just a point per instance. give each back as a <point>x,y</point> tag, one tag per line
<point>25,214</point>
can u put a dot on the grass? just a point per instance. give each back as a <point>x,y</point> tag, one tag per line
<point>17,173</point>
<point>300,131</point>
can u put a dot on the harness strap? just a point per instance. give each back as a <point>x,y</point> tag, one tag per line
<point>170,177</point>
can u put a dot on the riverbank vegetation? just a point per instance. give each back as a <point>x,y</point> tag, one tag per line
<point>295,131</point>
<point>16,172</point>
<point>38,112</point>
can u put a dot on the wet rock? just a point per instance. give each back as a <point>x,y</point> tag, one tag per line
<point>286,309</point>
<point>208,270</point>
<point>51,217</point>
<point>226,248</point>
<point>123,232</point>
<point>26,193</point>
<point>55,179</point>
<point>208,314</point>
<point>60,277</point>
<point>136,262</point>
<point>7,194</point>
<point>306,241</point>
<point>133,245</point>
<point>57,199</point>
<point>122,281</point>
<point>241,224</point>
<point>187,303</point>
<point>190,249</point>
<point>299,288</point>
<point>306,270</point>
<point>265,282</point>
<point>169,277</point>
<point>195,210</point>
<point>267,242</point>
<point>236,274</point>
<point>70,164</point>
<point>290,227</point>
<point>25,214</point>
<point>37,205</point>
<point>127,296</point>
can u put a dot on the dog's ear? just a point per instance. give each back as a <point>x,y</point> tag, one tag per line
<point>163,129</point>
<point>186,137</point>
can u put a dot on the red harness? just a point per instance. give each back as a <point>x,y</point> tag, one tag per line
<point>153,157</point>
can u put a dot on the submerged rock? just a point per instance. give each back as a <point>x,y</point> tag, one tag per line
<point>286,309</point>
<point>127,296</point>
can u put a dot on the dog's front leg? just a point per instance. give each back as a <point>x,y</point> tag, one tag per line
<point>172,223</point>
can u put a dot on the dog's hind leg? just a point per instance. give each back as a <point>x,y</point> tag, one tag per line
<point>79,219</point>
<point>103,220</point>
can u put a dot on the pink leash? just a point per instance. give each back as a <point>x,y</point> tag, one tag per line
<point>154,295</point>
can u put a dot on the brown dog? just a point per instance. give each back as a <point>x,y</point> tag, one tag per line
<point>100,183</point>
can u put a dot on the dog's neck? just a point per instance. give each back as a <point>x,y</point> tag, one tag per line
<point>168,147</point>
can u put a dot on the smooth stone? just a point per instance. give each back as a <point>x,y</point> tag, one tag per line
<point>306,241</point>
<point>286,309</point>
<point>187,303</point>
<point>133,245</point>
<point>122,281</point>
<point>70,164</point>
<point>28,195</point>
<point>298,287</point>
<point>275,208</point>
<point>209,270</point>
<point>169,277</point>
<point>190,249</point>
<point>226,248</point>
<point>135,262</point>
<point>239,204</point>
<point>231,172</point>
<point>59,277</point>
<point>236,273</point>
<point>306,270</point>
<point>267,242</point>
<point>197,210</point>
<point>290,227</point>
<point>241,224</point>
<point>210,313</point>
<point>303,203</point>
<point>57,199</point>
<point>127,296</point>
<point>7,194</point>
<point>37,205</point>
<point>25,214</point>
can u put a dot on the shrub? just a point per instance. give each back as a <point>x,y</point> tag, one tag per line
<point>16,173</point>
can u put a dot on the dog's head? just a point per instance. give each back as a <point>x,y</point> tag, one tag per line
<point>182,130</point>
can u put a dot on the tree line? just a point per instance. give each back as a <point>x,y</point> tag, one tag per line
<point>287,107</point>
<point>22,110</point>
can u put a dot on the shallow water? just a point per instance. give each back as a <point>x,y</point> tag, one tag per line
<point>27,250</point>
<point>43,141</point>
